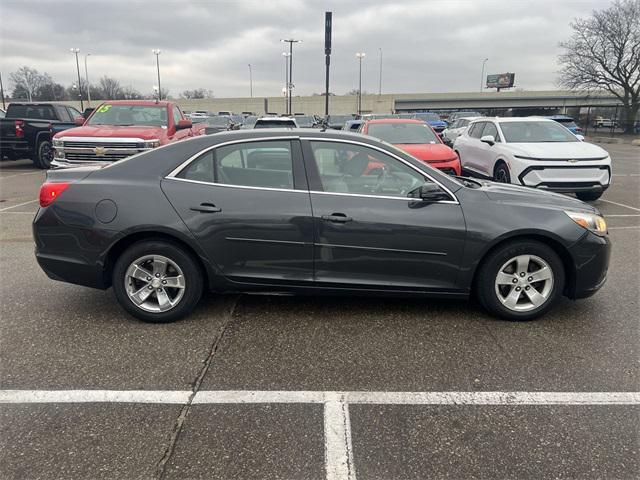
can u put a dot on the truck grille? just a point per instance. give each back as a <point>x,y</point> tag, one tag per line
<point>92,157</point>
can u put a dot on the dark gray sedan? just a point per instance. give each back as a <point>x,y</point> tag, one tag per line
<point>311,212</point>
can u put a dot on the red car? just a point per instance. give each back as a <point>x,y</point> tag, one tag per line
<point>417,139</point>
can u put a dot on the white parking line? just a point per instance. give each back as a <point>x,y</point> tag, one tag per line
<point>338,448</point>
<point>623,228</point>
<point>18,205</point>
<point>621,205</point>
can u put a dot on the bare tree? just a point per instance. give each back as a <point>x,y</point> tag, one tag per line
<point>110,88</point>
<point>604,53</point>
<point>130,93</point>
<point>27,80</point>
<point>197,93</point>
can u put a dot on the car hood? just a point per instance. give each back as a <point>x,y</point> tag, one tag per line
<point>527,196</point>
<point>428,152</point>
<point>559,150</point>
<point>144,132</point>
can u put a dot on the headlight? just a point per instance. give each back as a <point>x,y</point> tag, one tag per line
<point>592,222</point>
<point>152,143</point>
<point>57,142</point>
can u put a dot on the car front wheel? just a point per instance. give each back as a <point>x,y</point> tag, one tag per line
<point>157,281</point>
<point>501,173</point>
<point>520,280</point>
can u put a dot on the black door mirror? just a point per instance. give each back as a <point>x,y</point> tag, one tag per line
<point>429,192</point>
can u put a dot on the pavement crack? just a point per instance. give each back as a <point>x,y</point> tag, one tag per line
<point>195,387</point>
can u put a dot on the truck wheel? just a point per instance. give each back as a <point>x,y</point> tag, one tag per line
<point>44,155</point>
<point>588,196</point>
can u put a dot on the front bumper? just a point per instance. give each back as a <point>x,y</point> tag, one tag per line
<point>451,167</point>
<point>567,179</point>
<point>591,255</point>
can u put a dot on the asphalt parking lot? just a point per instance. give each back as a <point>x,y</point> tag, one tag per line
<point>271,387</point>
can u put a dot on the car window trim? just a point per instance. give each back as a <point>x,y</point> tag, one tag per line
<point>173,175</point>
<point>386,152</point>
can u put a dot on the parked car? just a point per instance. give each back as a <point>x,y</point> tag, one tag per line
<point>416,138</point>
<point>600,122</point>
<point>121,128</point>
<point>455,129</point>
<point>433,119</point>
<point>218,123</point>
<point>305,121</point>
<point>379,116</point>
<point>567,122</point>
<point>296,212</point>
<point>353,125</point>
<point>27,130</point>
<point>534,152</point>
<point>225,112</point>
<point>275,122</point>
<point>453,116</point>
<point>337,121</point>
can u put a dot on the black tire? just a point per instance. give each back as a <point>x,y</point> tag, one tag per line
<point>485,285</point>
<point>501,173</point>
<point>588,196</point>
<point>44,155</point>
<point>193,281</point>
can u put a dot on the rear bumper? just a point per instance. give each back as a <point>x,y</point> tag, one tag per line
<point>591,255</point>
<point>71,270</point>
<point>9,147</point>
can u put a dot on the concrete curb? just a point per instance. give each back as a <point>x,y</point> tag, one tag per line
<point>606,140</point>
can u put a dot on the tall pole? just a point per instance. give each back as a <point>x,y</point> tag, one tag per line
<point>86,76</point>
<point>380,78</point>
<point>76,50</point>
<point>286,82</point>
<point>328,20</point>
<point>157,53</point>
<point>2,92</point>
<point>360,56</point>
<point>250,82</point>
<point>482,74</point>
<point>290,41</point>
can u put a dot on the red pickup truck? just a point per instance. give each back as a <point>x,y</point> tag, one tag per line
<point>121,128</point>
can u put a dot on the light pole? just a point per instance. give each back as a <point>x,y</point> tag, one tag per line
<point>250,82</point>
<point>286,56</point>
<point>360,56</point>
<point>380,79</point>
<point>290,41</point>
<point>75,51</point>
<point>2,92</point>
<point>482,74</point>
<point>157,53</point>
<point>86,76</point>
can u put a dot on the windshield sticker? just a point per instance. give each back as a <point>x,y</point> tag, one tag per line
<point>104,108</point>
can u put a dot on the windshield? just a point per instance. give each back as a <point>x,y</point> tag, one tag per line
<point>127,115</point>
<point>219,121</point>
<point>428,117</point>
<point>535,132</point>
<point>304,120</point>
<point>403,133</point>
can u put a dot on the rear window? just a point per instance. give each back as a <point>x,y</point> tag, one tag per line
<point>275,124</point>
<point>37,112</point>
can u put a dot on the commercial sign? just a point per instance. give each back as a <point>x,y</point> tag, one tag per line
<point>501,80</point>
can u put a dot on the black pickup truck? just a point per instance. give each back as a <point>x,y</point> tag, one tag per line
<point>27,130</point>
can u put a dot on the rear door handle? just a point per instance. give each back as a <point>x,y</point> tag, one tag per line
<point>337,218</point>
<point>206,208</point>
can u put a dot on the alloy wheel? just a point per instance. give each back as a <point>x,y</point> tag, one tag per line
<point>524,283</point>
<point>154,283</point>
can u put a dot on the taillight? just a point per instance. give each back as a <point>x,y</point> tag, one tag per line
<point>19,130</point>
<point>50,191</point>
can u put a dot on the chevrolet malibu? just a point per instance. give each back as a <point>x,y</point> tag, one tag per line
<point>300,211</point>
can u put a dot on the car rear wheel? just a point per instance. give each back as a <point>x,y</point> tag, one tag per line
<point>520,280</point>
<point>588,196</point>
<point>501,173</point>
<point>157,281</point>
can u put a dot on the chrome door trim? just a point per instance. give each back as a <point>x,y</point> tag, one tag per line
<point>177,179</point>
<point>382,150</point>
<point>184,164</point>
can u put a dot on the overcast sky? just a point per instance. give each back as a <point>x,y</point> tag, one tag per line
<point>427,45</point>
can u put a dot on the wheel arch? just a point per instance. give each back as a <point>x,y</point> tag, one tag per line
<point>118,247</point>
<point>555,244</point>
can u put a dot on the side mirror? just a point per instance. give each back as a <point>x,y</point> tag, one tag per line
<point>182,124</point>
<point>580,137</point>
<point>429,192</point>
<point>490,139</point>
<point>79,121</point>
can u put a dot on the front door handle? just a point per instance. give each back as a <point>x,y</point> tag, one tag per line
<point>206,208</point>
<point>337,218</point>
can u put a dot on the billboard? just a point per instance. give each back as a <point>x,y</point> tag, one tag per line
<point>501,80</point>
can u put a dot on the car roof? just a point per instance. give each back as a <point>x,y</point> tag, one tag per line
<point>513,119</point>
<point>393,120</point>
<point>144,103</point>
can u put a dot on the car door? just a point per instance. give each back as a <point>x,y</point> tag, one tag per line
<point>472,153</point>
<point>368,232</point>
<point>486,153</point>
<point>247,204</point>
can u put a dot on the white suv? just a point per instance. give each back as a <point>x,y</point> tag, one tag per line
<point>534,152</point>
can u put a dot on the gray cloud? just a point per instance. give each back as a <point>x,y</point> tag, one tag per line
<point>433,45</point>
